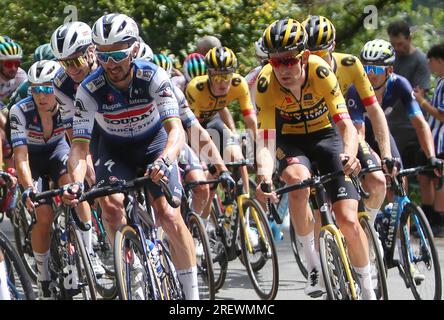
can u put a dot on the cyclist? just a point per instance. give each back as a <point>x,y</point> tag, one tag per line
<point>391,90</point>
<point>350,72</point>
<point>138,120</point>
<point>189,162</point>
<point>42,52</point>
<point>194,66</point>
<point>11,76</point>
<point>71,44</point>
<point>41,150</point>
<point>210,95</point>
<point>251,77</point>
<point>297,99</point>
<point>145,51</point>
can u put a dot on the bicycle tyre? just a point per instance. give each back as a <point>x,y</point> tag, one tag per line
<point>382,292</point>
<point>218,247</point>
<point>124,237</point>
<point>267,250</point>
<point>14,262</point>
<point>83,264</point>
<point>410,210</point>
<point>296,251</point>
<point>205,262</point>
<point>170,284</point>
<point>333,271</point>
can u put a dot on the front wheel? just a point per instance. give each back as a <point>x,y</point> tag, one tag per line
<point>258,250</point>
<point>296,247</point>
<point>419,255</point>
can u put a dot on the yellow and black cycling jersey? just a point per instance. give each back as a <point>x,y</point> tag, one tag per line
<point>349,71</point>
<point>205,105</point>
<point>321,100</point>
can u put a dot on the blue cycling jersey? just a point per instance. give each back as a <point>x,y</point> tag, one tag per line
<point>27,129</point>
<point>65,91</point>
<point>398,91</point>
<point>125,116</point>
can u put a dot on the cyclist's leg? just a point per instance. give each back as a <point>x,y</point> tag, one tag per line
<point>373,182</point>
<point>192,168</point>
<point>344,199</point>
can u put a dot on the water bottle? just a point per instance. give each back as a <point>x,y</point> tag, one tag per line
<point>155,255</point>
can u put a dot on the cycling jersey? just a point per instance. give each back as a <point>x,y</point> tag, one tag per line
<point>20,93</point>
<point>206,106</point>
<point>65,90</point>
<point>27,129</point>
<point>397,93</point>
<point>279,109</point>
<point>349,71</point>
<point>436,126</point>
<point>186,115</point>
<point>129,116</point>
<point>7,87</point>
<point>251,78</point>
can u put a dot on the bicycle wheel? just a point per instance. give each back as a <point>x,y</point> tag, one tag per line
<point>170,284</point>
<point>84,274</point>
<point>296,246</point>
<point>333,270</point>
<point>217,245</point>
<point>259,251</point>
<point>135,279</point>
<point>419,255</point>
<point>22,223</point>
<point>19,282</point>
<point>204,259</point>
<point>379,277</point>
<point>106,284</point>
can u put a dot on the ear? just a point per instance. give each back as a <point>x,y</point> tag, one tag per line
<point>305,56</point>
<point>136,49</point>
<point>390,70</point>
<point>333,47</point>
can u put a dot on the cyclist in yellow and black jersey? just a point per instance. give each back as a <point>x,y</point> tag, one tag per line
<point>350,72</point>
<point>297,98</point>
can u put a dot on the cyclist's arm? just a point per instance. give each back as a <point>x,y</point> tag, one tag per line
<point>380,129</point>
<point>424,135</point>
<point>227,118</point>
<point>22,166</point>
<point>247,108</point>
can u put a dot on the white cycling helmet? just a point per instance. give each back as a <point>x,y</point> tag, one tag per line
<point>114,28</point>
<point>70,38</point>
<point>43,71</point>
<point>145,52</point>
<point>258,49</point>
<point>378,52</point>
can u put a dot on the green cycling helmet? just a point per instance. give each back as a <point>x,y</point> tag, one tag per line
<point>44,52</point>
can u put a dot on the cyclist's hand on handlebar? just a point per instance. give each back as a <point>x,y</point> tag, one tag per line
<point>227,180</point>
<point>390,166</point>
<point>72,192</point>
<point>350,163</point>
<point>158,171</point>
<point>262,195</point>
<point>437,163</point>
<point>26,198</point>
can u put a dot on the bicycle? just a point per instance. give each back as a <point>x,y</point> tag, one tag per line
<point>141,260</point>
<point>375,254</point>
<point>241,220</point>
<point>339,276</point>
<point>69,263</point>
<point>19,282</point>
<point>419,258</point>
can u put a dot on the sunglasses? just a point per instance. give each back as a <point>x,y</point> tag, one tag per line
<point>225,77</point>
<point>11,64</point>
<point>117,56</point>
<point>42,89</point>
<point>74,62</point>
<point>374,69</point>
<point>287,61</point>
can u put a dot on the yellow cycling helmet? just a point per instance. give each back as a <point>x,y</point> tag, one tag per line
<point>284,35</point>
<point>321,33</point>
<point>221,59</point>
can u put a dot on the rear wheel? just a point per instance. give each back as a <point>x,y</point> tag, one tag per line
<point>217,245</point>
<point>296,246</point>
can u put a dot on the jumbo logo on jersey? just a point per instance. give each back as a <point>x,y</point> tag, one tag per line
<point>348,61</point>
<point>322,72</point>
